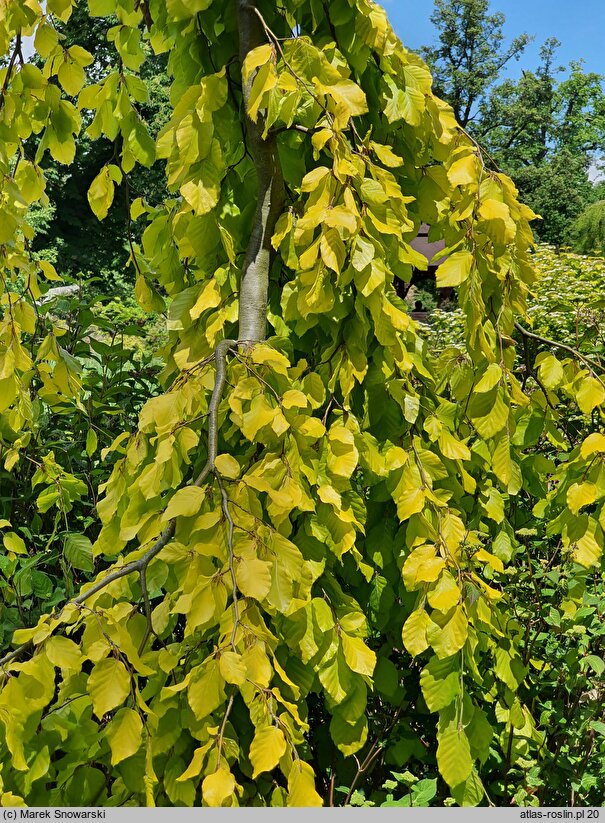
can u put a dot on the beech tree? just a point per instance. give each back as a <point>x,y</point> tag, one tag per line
<point>306,550</point>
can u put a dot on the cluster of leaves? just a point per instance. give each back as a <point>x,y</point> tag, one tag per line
<point>70,236</point>
<point>47,514</point>
<point>566,304</point>
<point>588,231</point>
<point>542,129</point>
<point>560,605</point>
<point>310,547</point>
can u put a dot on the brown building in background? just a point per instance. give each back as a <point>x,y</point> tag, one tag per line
<point>420,278</point>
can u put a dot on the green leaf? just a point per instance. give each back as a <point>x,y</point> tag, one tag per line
<point>596,664</point>
<point>206,690</point>
<point>77,550</point>
<point>14,543</point>
<point>359,658</point>
<point>386,155</point>
<point>422,566</point>
<point>71,76</point>
<point>463,170</point>
<point>440,683</point>
<point>590,394</point>
<point>91,442</point>
<point>227,466</point>
<point>588,549</point>
<point>101,191</point>
<point>480,734</point>
<point>301,786</point>
<point>253,577</point>
<point>264,81</point>
<point>349,95</point>
<point>46,40</point>
<point>447,633</point>
<point>443,595</point>
<point>102,8</point>
<point>124,734</point>
<point>108,686</point>
<point>332,250</point>
<point>197,762</point>
<point>232,668</point>
<point>594,443</point>
<point>409,501</point>
<point>490,378</point>
<point>403,104</point>
<point>580,495</point>
<point>501,460</point>
<point>218,787</point>
<point>455,270</point>
<point>509,668</point>
<point>63,653</point>
<point>266,749</point>
<point>470,792</point>
<point>256,58</point>
<point>185,502</point>
<point>454,755</point>
<point>550,372</point>
<point>414,632</point>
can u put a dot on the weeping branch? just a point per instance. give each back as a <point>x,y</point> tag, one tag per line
<point>574,352</point>
<point>254,285</point>
<point>253,300</point>
<point>140,565</point>
<point>9,70</point>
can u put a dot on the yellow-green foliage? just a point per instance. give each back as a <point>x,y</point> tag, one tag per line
<point>273,493</point>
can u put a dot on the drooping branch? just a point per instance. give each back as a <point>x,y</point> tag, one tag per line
<point>591,366</point>
<point>252,311</point>
<point>254,285</point>
<point>9,70</point>
<point>140,565</point>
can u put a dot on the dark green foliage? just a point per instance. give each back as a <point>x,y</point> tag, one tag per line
<point>588,232</point>
<point>56,493</point>
<point>557,189</point>
<point>69,234</point>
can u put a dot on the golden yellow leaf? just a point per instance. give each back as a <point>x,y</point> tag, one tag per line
<point>218,787</point>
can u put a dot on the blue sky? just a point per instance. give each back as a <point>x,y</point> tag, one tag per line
<point>579,25</point>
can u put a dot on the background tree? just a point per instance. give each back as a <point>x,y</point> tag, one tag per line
<point>545,132</point>
<point>311,562</point>
<point>69,235</point>
<point>588,231</point>
<point>470,54</point>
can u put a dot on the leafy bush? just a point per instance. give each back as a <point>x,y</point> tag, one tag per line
<point>587,234</point>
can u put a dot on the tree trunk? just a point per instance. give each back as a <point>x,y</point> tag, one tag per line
<point>257,262</point>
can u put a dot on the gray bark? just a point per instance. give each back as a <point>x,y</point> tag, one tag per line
<point>254,285</point>
<point>59,291</point>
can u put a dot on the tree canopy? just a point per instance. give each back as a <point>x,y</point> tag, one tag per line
<point>470,55</point>
<point>309,546</point>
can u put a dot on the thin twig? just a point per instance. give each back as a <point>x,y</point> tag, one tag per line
<point>571,350</point>
<point>227,513</point>
<point>371,755</point>
<point>276,41</point>
<point>221,733</point>
<point>9,70</point>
